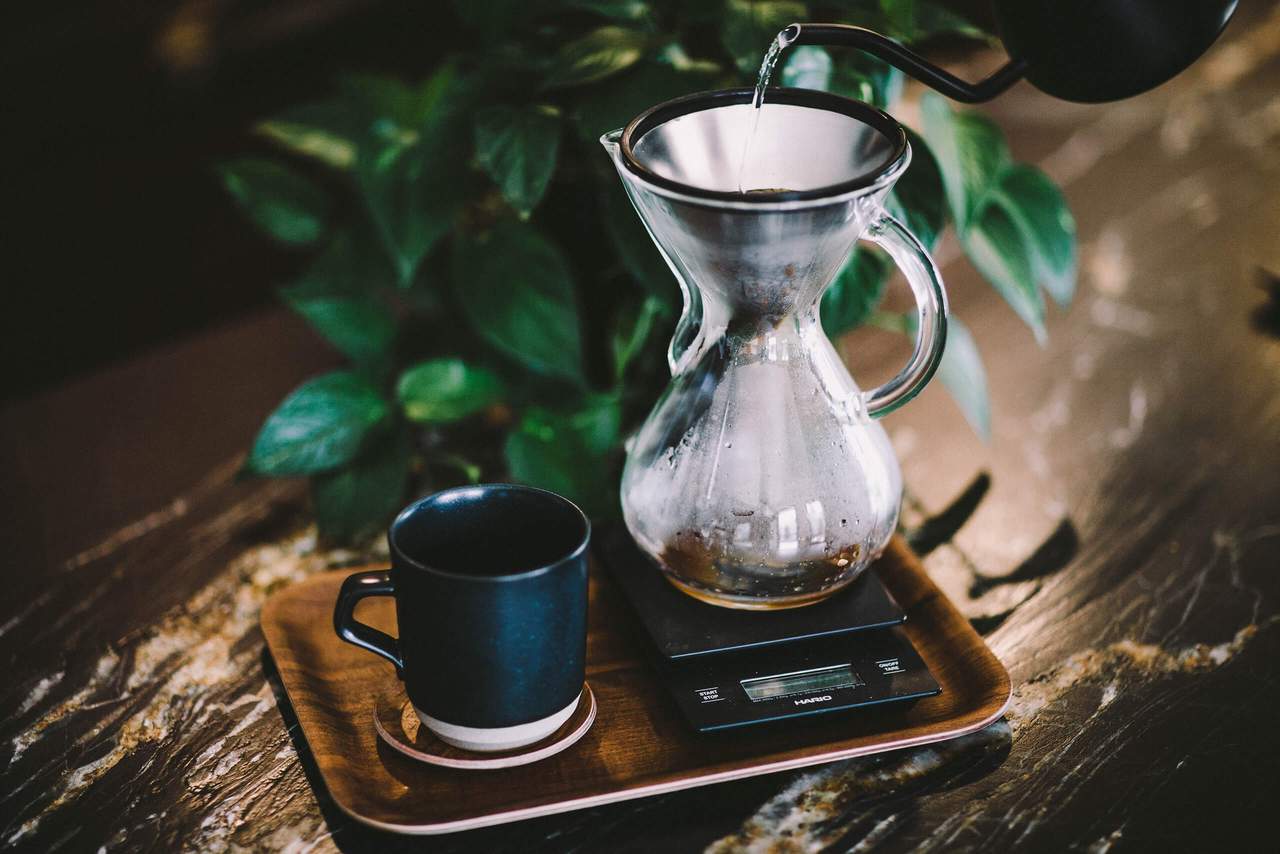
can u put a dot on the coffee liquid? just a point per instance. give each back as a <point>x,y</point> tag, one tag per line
<point>716,570</point>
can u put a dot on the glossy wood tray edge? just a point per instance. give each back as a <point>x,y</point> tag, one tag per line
<point>491,819</point>
<point>919,592</point>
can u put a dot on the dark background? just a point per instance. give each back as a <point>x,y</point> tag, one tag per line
<point>118,236</point>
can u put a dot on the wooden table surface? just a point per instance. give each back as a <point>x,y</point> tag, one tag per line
<point>1117,543</point>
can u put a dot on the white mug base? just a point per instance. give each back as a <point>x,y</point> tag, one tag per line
<point>490,739</point>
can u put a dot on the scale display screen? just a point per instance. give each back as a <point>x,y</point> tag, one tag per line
<point>801,682</point>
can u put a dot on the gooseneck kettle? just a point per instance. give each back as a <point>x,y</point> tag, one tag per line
<point>762,478</point>
<point>1077,50</point>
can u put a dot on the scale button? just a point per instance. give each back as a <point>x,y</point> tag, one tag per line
<point>708,695</point>
<point>888,666</point>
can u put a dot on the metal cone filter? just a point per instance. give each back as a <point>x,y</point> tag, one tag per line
<point>824,161</point>
<point>805,145</point>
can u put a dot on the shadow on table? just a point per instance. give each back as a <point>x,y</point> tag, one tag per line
<point>1266,316</point>
<point>692,819</point>
<point>1049,558</point>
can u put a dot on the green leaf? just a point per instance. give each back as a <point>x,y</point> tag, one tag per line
<point>935,19</point>
<point>960,370</point>
<point>336,296</point>
<point>426,295</point>
<point>517,147</point>
<point>919,199</point>
<point>373,98</point>
<point>570,453</point>
<point>277,200</point>
<point>597,425</point>
<point>970,150</point>
<point>492,18</point>
<point>807,67</point>
<point>321,425</point>
<point>855,293</point>
<point>357,500</point>
<point>901,17</point>
<point>412,162</point>
<point>961,373</point>
<point>907,21</point>
<point>674,55</point>
<point>616,101</point>
<point>514,288</point>
<point>749,27</point>
<point>863,13</point>
<point>620,10</point>
<point>995,246</point>
<point>1039,212</point>
<point>640,256</point>
<point>316,143</point>
<point>470,471</point>
<point>443,390</point>
<point>326,131</point>
<point>865,78</point>
<point>352,263</point>
<point>597,55</point>
<point>359,326</point>
<point>1012,221</point>
<point>632,332</point>
<point>852,74</point>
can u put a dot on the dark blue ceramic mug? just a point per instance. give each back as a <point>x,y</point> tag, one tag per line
<point>490,584</point>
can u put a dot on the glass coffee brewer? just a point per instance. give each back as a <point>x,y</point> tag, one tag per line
<point>761,478</point>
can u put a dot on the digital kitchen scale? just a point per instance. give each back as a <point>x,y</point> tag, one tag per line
<point>730,668</point>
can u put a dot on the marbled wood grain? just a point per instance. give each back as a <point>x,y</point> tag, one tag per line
<point>1123,559</point>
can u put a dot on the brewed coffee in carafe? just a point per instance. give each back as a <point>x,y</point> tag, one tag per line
<point>761,478</point>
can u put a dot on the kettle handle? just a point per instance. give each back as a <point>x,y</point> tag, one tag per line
<point>931,315</point>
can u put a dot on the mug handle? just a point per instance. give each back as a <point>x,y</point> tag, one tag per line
<point>355,587</point>
<point>931,311</point>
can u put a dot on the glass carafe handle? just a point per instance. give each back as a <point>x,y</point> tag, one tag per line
<point>931,312</point>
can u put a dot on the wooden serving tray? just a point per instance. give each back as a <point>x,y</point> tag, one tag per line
<point>639,744</point>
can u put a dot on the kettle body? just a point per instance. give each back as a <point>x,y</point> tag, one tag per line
<point>1105,50</point>
<point>1077,50</point>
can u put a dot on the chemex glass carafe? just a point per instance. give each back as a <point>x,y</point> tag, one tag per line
<point>761,478</point>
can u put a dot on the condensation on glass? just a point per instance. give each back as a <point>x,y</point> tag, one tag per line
<point>761,478</point>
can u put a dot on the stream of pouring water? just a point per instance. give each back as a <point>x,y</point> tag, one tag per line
<point>779,43</point>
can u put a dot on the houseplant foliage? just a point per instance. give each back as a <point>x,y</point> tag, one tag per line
<point>500,306</point>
